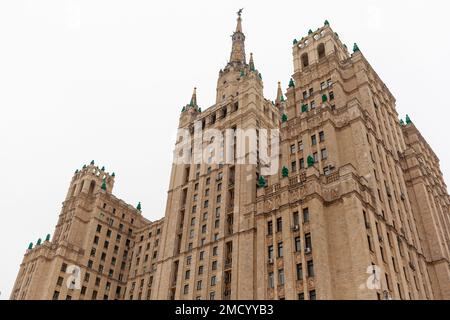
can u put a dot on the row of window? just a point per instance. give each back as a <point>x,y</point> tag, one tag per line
<point>299,274</point>
<point>279,221</point>
<point>300,146</point>
<point>297,247</point>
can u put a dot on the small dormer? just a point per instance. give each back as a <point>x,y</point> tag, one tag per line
<point>316,47</point>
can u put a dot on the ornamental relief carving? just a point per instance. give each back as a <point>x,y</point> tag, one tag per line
<point>331,194</point>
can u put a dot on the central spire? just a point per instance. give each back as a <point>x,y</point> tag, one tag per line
<point>238,49</point>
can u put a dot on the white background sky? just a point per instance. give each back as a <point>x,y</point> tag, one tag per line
<point>106,80</point>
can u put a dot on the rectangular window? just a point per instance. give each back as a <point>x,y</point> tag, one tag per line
<point>281,277</point>
<point>271,280</point>
<point>321,136</point>
<point>306,215</point>
<point>316,157</point>
<point>279,224</point>
<point>293,148</point>
<point>324,153</point>
<point>308,242</point>
<point>280,249</point>
<point>294,166</point>
<point>270,252</point>
<point>312,295</point>
<point>313,140</point>
<point>296,218</point>
<point>213,280</point>
<point>269,227</point>
<point>299,271</point>
<point>297,244</point>
<point>302,163</point>
<point>310,266</point>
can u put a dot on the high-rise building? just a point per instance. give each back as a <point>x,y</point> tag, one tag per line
<point>356,209</point>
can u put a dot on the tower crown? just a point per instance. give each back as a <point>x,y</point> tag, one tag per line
<point>90,179</point>
<point>316,46</point>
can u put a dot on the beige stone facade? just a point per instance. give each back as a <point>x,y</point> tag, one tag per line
<point>358,199</point>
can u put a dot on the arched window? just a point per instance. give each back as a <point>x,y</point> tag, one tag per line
<point>92,187</point>
<point>305,60</point>
<point>74,188</point>
<point>321,51</point>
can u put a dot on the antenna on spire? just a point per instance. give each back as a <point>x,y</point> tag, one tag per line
<point>239,13</point>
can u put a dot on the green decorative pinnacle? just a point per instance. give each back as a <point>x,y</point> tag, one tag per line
<point>113,175</point>
<point>76,171</point>
<point>355,48</point>
<point>30,246</point>
<point>183,109</point>
<point>324,98</point>
<point>295,41</point>
<point>291,83</point>
<point>47,238</point>
<point>408,120</point>
<point>92,162</point>
<point>285,172</point>
<point>284,118</point>
<point>84,166</point>
<point>310,31</point>
<point>139,207</point>
<point>104,185</point>
<point>103,169</point>
<point>326,23</point>
<point>262,182</point>
<point>310,161</point>
<point>282,98</point>
<point>38,243</point>
<point>402,123</point>
<point>242,73</point>
<point>305,108</point>
<point>260,75</point>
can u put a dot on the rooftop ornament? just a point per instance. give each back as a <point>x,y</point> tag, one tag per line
<point>92,162</point>
<point>38,243</point>
<point>408,120</point>
<point>104,185</point>
<point>310,32</point>
<point>284,118</point>
<point>291,83</point>
<point>326,23</point>
<point>139,207</point>
<point>310,161</point>
<point>295,42</point>
<point>285,172</point>
<point>113,174</point>
<point>356,48</point>
<point>47,238</point>
<point>262,182</point>
<point>30,246</point>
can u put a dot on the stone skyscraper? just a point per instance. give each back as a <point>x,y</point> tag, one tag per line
<point>358,208</point>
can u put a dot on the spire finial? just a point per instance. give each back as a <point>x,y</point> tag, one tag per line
<point>193,102</point>
<point>238,51</point>
<point>279,93</point>
<point>251,63</point>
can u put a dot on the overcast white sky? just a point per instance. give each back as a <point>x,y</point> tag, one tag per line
<point>106,80</point>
